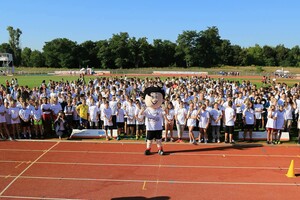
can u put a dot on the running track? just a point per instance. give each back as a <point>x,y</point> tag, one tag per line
<point>108,170</point>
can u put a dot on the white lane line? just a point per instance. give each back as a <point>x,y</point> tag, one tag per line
<point>11,161</point>
<point>23,197</point>
<point>164,181</point>
<point>160,181</point>
<point>19,164</point>
<point>160,165</point>
<point>166,166</point>
<point>27,169</point>
<point>26,150</point>
<point>171,154</point>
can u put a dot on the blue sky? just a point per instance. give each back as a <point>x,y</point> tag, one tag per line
<point>243,22</point>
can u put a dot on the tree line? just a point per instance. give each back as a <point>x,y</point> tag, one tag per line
<point>203,48</point>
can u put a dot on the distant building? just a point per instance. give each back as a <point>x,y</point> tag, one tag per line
<point>6,63</point>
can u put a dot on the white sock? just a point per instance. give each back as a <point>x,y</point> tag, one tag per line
<point>159,144</point>
<point>149,142</point>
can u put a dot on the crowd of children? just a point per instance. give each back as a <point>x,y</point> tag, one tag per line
<point>201,105</point>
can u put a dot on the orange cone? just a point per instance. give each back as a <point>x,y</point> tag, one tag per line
<point>291,172</point>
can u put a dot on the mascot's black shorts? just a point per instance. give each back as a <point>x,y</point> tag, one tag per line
<point>154,135</point>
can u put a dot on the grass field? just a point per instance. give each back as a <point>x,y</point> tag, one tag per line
<point>244,70</point>
<point>34,76</point>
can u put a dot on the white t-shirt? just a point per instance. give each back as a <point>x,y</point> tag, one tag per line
<point>181,115</point>
<point>203,119</point>
<point>93,113</point>
<point>249,116</point>
<point>239,108</point>
<point>2,115</point>
<point>280,119</point>
<point>258,110</point>
<point>107,113</point>
<point>46,107</point>
<point>229,116</point>
<point>215,114</point>
<point>298,103</point>
<point>56,108</point>
<point>120,115</point>
<point>130,112</point>
<point>140,119</point>
<point>102,107</point>
<point>271,123</point>
<point>14,113</point>
<point>170,115</point>
<point>191,122</point>
<point>37,114</point>
<point>154,119</point>
<point>25,114</point>
<point>7,116</point>
<point>113,106</point>
<point>30,107</point>
<point>288,112</point>
<point>176,104</point>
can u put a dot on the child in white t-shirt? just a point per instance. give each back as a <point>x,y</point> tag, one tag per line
<point>107,120</point>
<point>15,119</point>
<point>180,118</point>
<point>93,114</point>
<point>37,120</point>
<point>25,115</point>
<point>120,120</point>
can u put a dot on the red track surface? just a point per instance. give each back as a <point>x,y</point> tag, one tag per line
<point>81,170</point>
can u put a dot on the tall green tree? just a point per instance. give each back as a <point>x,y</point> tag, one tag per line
<point>255,56</point>
<point>14,42</point>
<point>25,55</point>
<point>118,45</point>
<point>294,56</point>
<point>88,54</point>
<point>226,53</point>
<point>187,44</point>
<point>209,47</point>
<point>105,55</point>
<point>269,55</point>
<point>237,55</point>
<point>6,48</point>
<point>163,53</point>
<point>62,52</point>
<point>139,52</point>
<point>281,55</point>
<point>37,59</point>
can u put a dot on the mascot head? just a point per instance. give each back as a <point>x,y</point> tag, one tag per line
<point>154,97</point>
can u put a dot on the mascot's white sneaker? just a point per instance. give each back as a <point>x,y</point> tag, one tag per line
<point>161,152</point>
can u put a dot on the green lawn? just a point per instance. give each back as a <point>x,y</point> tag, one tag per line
<point>244,70</point>
<point>34,76</point>
<point>36,80</point>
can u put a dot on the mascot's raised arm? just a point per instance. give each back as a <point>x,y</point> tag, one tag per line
<point>154,97</point>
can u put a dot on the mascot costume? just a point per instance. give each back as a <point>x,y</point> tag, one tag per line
<point>153,112</point>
